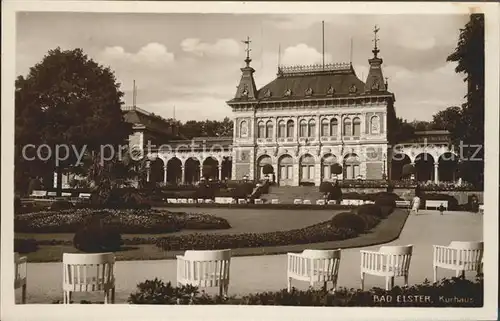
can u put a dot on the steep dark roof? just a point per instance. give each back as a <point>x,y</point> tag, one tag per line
<point>316,81</point>
<point>152,122</point>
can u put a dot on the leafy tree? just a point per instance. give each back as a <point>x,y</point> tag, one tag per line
<point>268,169</point>
<point>451,120</point>
<point>402,131</point>
<point>207,128</point>
<point>469,55</point>
<point>67,99</point>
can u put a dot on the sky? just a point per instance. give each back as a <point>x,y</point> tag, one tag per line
<point>191,63</point>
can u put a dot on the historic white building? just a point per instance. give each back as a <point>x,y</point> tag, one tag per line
<point>309,118</point>
<point>304,121</point>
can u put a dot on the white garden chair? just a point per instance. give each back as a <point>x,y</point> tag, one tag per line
<point>388,261</point>
<point>205,269</point>
<point>20,275</point>
<point>88,273</point>
<point>314,266</point>
<point>458,256</point>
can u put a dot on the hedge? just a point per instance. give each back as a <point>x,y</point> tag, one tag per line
<point>459,292</point>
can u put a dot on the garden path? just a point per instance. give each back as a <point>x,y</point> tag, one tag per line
<point>266,273</point>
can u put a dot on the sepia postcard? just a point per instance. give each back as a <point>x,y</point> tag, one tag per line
<point>249,160</point>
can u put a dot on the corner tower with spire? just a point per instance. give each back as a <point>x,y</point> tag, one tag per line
<point>375,80</point>
<point>246,88</point>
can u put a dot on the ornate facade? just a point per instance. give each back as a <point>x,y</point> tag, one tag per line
<point>309,118</point>
<point>302,123</point>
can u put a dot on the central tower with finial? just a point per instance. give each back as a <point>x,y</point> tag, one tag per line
<point>375,40</point>
<point>247,50</point>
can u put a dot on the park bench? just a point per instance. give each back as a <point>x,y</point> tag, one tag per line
<point>297,201</point>
<point>88,273</point>
<point>331,202</point>
<point>275,201</point>
<point>242,201</point>
<point>200,200</point>
<point>258,201</point>
<point>436,204</point>
<point>388,262</point>
<point>38,194</point>
<point>20,275</point>
<point>322,267</point>
<point>458,256</point>
<point>205,269</point>
<point>320,202</point>
<point>306,202</point>
<point>190,201</point>
<point>51,194</point>
<point>172,200</point>
<point>403,204</point>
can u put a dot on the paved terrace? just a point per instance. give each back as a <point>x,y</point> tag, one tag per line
<point>265,273</point>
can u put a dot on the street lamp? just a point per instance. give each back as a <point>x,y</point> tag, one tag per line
<point>384,158</point>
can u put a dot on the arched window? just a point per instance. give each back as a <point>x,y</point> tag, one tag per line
<point>303,128</point>
<point>311,128</point>
<point>289,128</point>
<point>324,127</point>
<point>356,127</point>
<point>261,132</point>
<point>374,125</point>
<point>334,127</point>
<point>243,129</point>
<point>269,129</point>
<point>281,129</point>
<point>351,166</point>
<point>347,127</point>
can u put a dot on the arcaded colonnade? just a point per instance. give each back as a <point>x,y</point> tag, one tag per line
<point>432,163</point>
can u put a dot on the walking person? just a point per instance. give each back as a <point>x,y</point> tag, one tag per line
<point>416,204</point>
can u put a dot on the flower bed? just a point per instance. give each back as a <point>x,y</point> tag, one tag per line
<point>332,230</point>
<point>126,221</point>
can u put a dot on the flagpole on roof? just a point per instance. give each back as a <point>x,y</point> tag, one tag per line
<point>323,42</point>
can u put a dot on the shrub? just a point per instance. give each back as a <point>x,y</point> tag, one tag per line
<point>370,221</point>
<point>349,220</point>
<point>61,205</point>
<point>23,246</point>
<point>387,205</point>
<point>325,187</point>
<point>369,210</point>
<point>96,238</point>
<point>459,292</point>
<point>336,193</point>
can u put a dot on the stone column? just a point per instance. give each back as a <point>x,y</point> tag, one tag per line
<point>317,135</point>
<point>275,131</point>
<point>201,170</point>
<point>436,173</point>
<point>296,129</point>
<point>220,171</point>
<point>165,171</point>
<point>340,125</point>
<point>148,171</point>
<point>413,176</point>
<point>183,173</point>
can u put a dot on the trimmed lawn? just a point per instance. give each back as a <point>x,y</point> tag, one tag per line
<point>247,221</point>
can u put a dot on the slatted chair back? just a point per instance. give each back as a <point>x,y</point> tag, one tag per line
<point>204,268</point>
<point>319,265</point>
<point>88,272</point>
